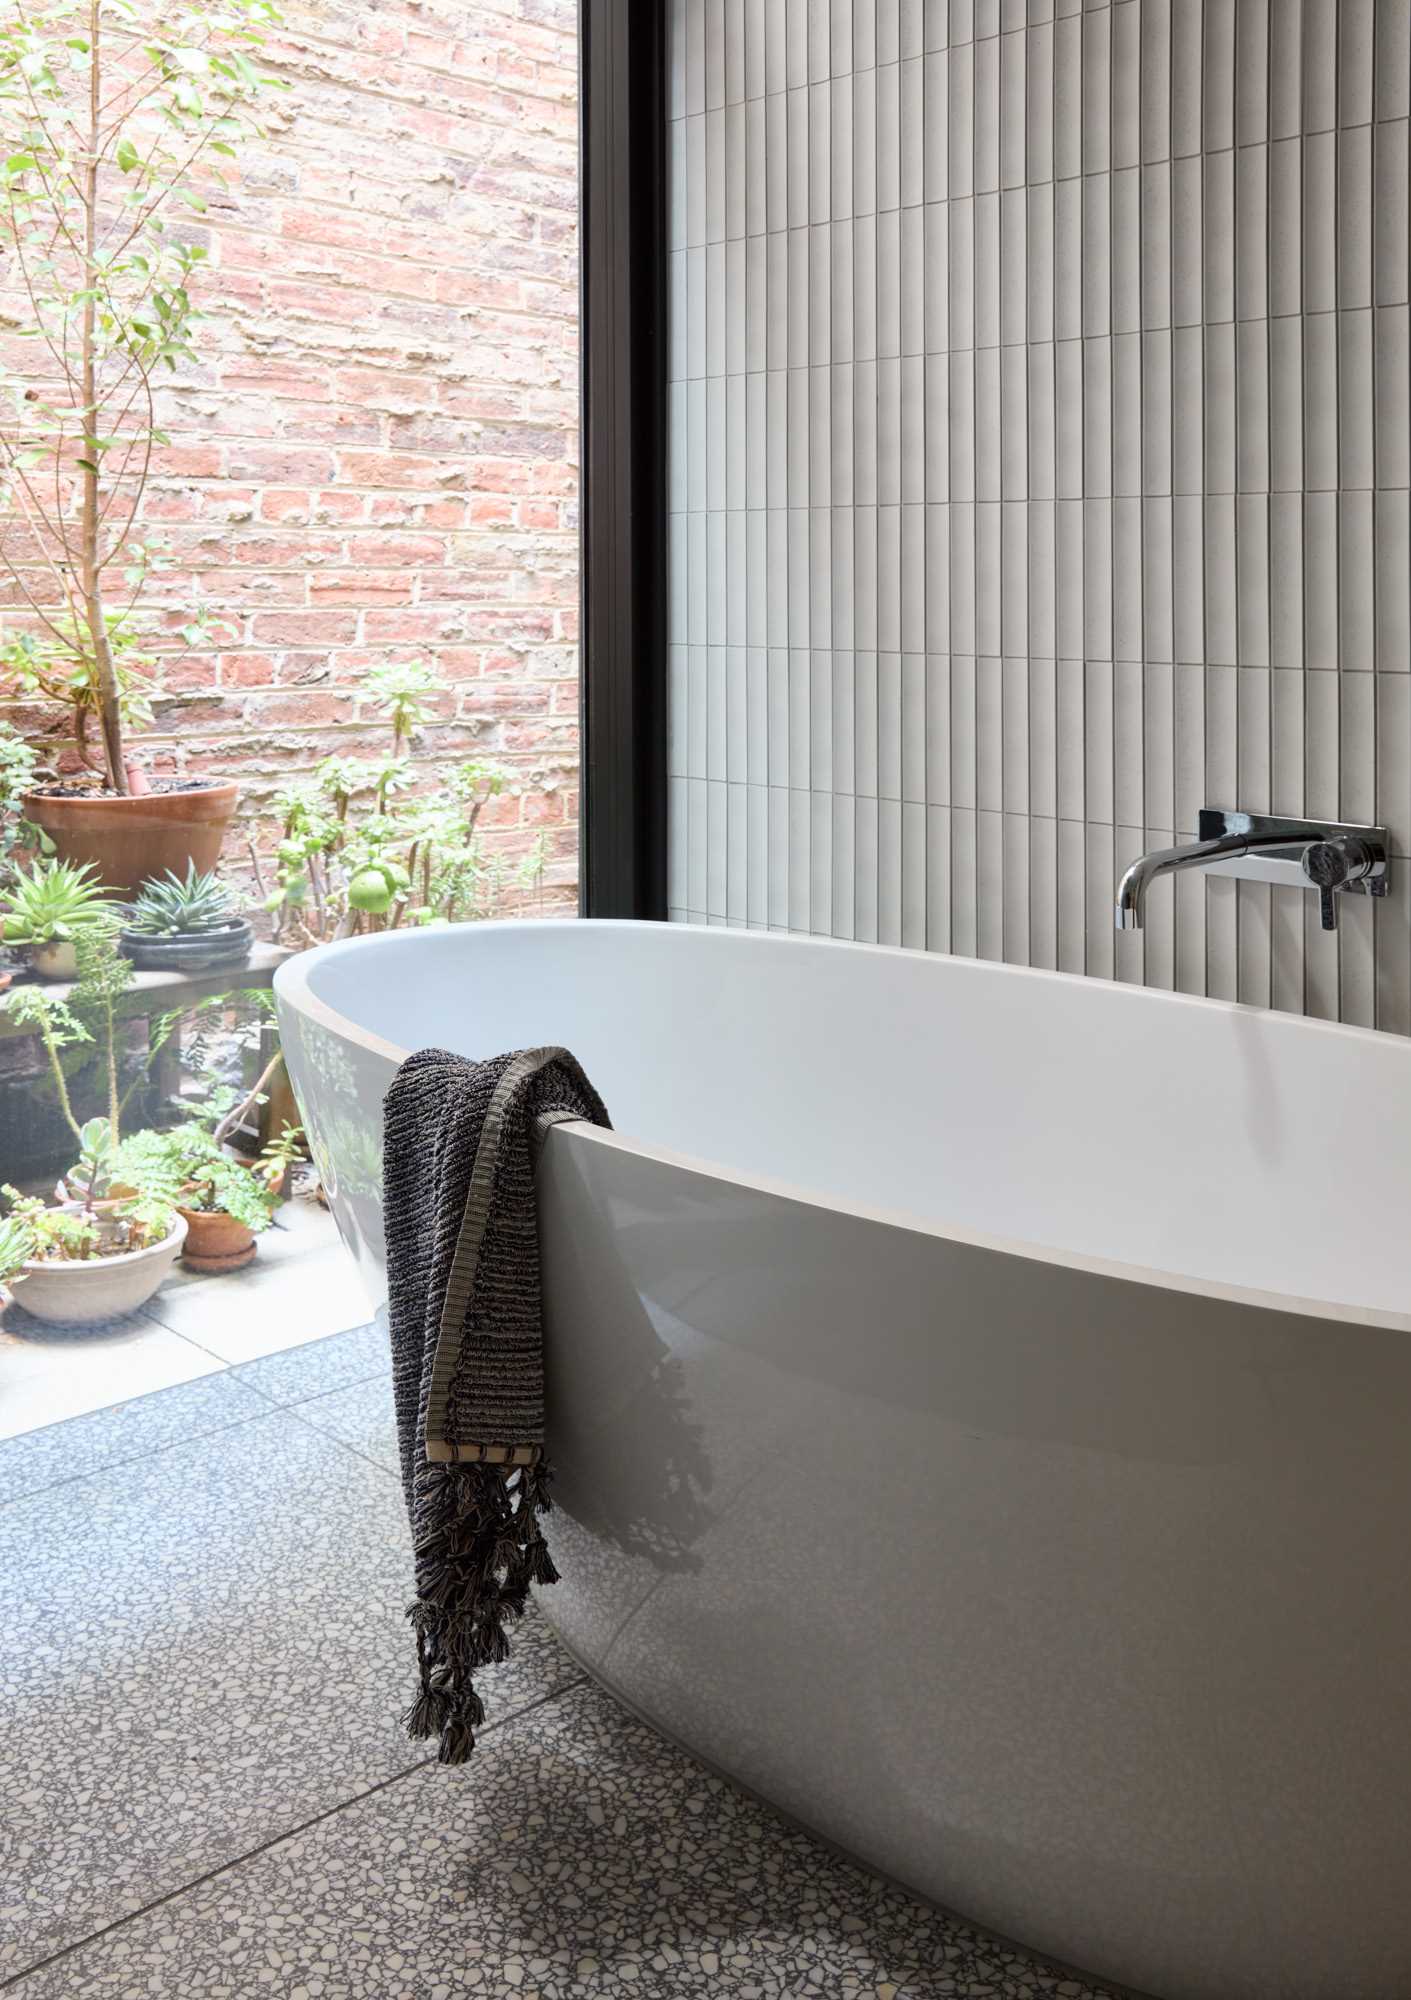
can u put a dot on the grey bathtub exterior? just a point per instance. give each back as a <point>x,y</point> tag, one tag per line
<point>1073,1599</point>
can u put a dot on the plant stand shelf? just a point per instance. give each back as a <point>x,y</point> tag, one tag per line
<point>176,989</point>
<point>35,1143</point>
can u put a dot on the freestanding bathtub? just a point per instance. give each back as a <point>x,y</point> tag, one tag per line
<point>982,1407</point>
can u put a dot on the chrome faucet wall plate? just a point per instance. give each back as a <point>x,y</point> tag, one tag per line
<point>1286,869</point>
<point>1329,856</point>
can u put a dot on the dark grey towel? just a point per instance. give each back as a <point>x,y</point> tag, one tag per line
<point>460,1141</point>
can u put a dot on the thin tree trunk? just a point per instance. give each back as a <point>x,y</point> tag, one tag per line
<point>51,1049</point>
<point>234,1116</point>
<point>114,1100</point>
<point>105,672</point>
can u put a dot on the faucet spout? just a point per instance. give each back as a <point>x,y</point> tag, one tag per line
<point>1132,889</point>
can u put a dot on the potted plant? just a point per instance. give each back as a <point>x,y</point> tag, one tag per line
<point>186,924</point>
<point>100,1252</point>
<point>110,118</point>
<point>224,1203</point>
<point>89,1018</point>
<point>43,910</point>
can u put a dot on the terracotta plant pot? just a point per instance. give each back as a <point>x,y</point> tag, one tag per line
<point>130,840</point>
<point>96,1288</point>
<point>215,1241</point>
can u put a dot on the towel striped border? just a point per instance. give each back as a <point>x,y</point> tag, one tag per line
<point>441,1450</point>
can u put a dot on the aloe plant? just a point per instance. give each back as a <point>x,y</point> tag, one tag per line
<point>16,1249</point>
<point>175,905</point>
<point>52,902</point>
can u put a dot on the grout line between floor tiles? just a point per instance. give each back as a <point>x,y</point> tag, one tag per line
<point>219,1430</point>
<point>186,1340</point>
<point>277,1840</point>
<point>251,1359</point>
<point>225,1367</point>
<point>137,1458</point>
<point>373,1375</point>
<point>293,1409</point>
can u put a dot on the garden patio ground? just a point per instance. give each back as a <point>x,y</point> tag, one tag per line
<point>300,1287</point>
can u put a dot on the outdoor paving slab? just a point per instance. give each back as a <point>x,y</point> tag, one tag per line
<point>200,1651</point>
<point>319,1366</point>
<point>362,1417</point>
<point>50,1373</point>
<point>578,1855</point>
<point>127,1431</point>
<point>264,1308</point>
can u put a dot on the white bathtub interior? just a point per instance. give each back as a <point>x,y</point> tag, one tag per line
<point>1212,1142</point>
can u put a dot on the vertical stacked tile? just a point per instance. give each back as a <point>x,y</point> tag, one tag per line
<point>1040,431</point>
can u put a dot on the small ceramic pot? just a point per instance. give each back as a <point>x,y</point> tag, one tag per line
<point>55,960</point>
<point>91,1289</point>
<point>215,1241</point>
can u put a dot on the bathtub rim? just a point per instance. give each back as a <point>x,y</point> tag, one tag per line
<point>291,985</point>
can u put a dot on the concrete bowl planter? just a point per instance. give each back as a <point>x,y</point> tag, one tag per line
<point>84,1290</point>
<point>215,1241</point>
<point>190,951</point>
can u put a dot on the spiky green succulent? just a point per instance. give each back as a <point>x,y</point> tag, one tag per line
<point>173,905</point>
<point>51,902</point>
<point>16,1249</point>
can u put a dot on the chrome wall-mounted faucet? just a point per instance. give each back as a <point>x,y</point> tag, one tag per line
<point>1330,856</point>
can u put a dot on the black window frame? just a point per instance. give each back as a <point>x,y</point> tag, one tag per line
<point>623,688</point>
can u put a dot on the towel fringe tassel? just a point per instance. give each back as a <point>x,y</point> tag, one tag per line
<point>479,1549</point>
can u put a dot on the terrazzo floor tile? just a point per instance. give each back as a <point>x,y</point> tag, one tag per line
<point>362,1417</point>
<point>198,1652</point>
<point>266,1308</point>
<point>50,1373</point>
<point>316,1367</point>
<point>577,1855</point>
<point>125,1432</point>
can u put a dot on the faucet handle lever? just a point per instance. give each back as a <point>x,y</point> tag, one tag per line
<point>1330,865</point>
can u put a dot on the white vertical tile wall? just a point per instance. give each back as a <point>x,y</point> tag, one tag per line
<point>1040,432</point>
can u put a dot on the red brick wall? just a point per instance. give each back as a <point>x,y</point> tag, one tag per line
<point>378,455</point>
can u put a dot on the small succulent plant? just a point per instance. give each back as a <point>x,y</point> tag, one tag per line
<point>16,1249</point>
<point>51,902</point>
<point>177,906</point>
<point>83,1224</point>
